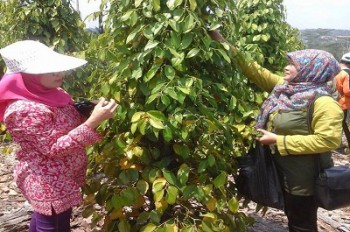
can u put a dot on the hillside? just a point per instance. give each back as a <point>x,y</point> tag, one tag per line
<point>334,41</point>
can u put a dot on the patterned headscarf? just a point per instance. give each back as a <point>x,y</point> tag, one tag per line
<point>315,68</point>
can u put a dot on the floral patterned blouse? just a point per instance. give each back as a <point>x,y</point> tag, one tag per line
<point>52,158</point>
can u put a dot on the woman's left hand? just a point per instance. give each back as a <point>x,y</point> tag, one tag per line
<point>267,138</point>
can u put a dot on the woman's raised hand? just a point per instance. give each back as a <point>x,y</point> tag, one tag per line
<point>102,111</point>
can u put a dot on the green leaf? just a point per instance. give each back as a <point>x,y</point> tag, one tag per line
<point>193,52</point>
<point>133,34</point>
<point>174,25</point>
<point>158,184</point>
<point>189,24</point>
<point>138,3</point>
<point>181,150</point>
<point>142,125</point>
<point>155,216</point>
<point>148,228</point>
<point>142,218</point>
<point>172,4</point>
<point>202,167</point>
<point>124,226</point>
<point>124,177</point>
<point>165,100</point>
<point>151,44</point>
<point>187,40</point>
<point>156,5</point>
<point>157,27</point>
<point>133,128</point>
<point>184,90</point>
<point>158,87</point>
<point>214,26</point>
<point>150,74</point>
<point>117,202</point>
<point>158,195</point>
<point>105,89</point>
<point>233,205</point>
<point>156,115</point>
<point>172,193</point>
<point>183,173</point>
<point>152,98</point>
<point>142,186</point>
<point>171,93</point>
<point>224,54</point>
<point>193,5</point>
<point>189,228</point>
<point>256,38</point>
<point>233,103</point>
<point>189,191</point>
<point>167,134</point>
<point>177,60</point>
<point>127,15</point>
<point>148,33</point>
<point>265,38</point>
<point>137,116</point>
<point>211,160</point>
<point>133,18</point>
<point>220,180</point>
<point>169,176</point>
<point>88,211</point>
<point>137,73</point>
<point>169,72</point>
<point>156,124</point>
<point>240,127</point>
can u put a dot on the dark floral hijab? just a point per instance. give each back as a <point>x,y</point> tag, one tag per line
<point>315,68</point>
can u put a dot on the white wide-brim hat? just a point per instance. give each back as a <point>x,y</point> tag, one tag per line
<point>33,57</point>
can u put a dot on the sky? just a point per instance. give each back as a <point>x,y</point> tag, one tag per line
<point>301,14</point>
<point>313,14</point>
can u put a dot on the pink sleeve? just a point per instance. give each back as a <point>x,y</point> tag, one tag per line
<point>37,129</point>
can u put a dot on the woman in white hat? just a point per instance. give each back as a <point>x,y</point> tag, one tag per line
<point>52,135</point>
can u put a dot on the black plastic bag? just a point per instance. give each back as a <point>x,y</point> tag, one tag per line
<point>85,107</point>
<point>258,178</point>
<point>333,187</point>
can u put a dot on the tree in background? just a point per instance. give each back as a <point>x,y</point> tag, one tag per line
<point>264,31</point>
<point>185,113</point>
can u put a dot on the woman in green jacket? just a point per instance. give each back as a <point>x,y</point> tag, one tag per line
<point>283,121</point>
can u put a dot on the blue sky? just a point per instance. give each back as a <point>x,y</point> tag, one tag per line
<point>302,14</point>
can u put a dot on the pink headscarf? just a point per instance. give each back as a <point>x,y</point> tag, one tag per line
<point>21,86</point>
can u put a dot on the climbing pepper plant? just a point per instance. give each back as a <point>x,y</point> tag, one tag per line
<point>185,113</point>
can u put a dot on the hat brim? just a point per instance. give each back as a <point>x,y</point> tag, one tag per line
<point>53,63</point>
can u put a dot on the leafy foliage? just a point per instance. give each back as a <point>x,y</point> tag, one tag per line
<point>260,34</point>
<point>185,113</point>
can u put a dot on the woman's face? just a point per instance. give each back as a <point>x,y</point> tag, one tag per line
<point>52,80</point>
<point>290,72</point>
